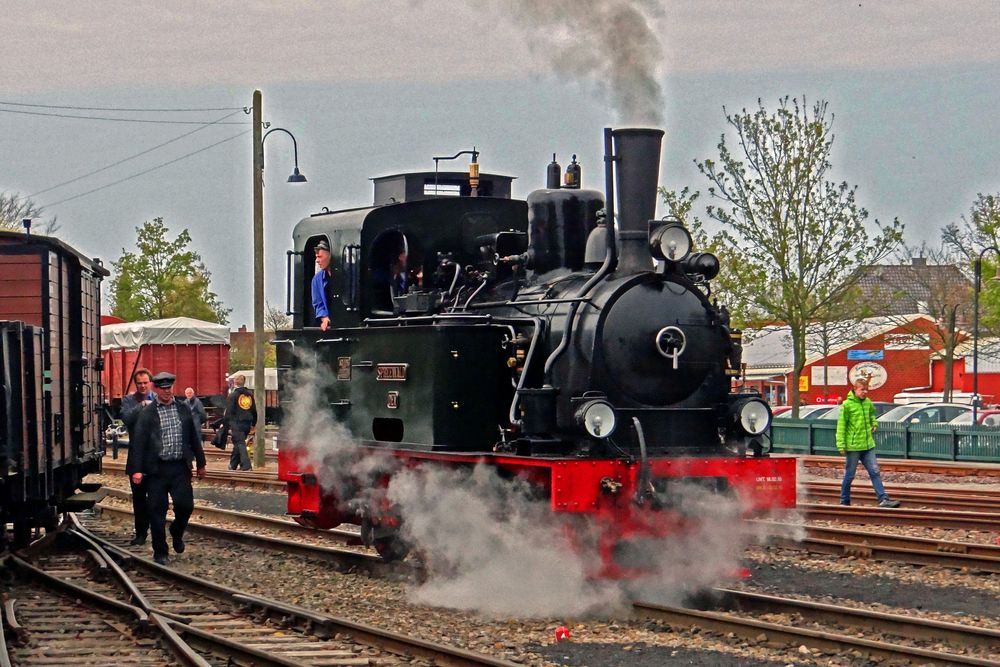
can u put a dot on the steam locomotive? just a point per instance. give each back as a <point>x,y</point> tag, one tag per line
<point>50,363</point>
<point>469,328</point>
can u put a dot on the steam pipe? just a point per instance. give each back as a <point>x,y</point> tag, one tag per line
<point>609,193</point>
<point>539,327</point>
<point>571,314</point>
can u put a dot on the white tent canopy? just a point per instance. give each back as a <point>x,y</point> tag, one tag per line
<point>270,378</point>
<point>170,331</point>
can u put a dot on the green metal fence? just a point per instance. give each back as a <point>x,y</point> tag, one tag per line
<point>908,441</point>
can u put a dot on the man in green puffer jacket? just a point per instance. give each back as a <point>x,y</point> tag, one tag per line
<point>855,427</point>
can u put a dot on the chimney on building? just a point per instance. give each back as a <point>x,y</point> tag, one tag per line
<point>919,262</point>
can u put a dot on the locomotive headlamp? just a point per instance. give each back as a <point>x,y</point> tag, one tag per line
<point>671,242</point>
<point>753,415</point>
<point>597,418</point>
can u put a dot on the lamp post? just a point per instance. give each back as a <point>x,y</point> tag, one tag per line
<point>975,330</point>
<point>260,397</point>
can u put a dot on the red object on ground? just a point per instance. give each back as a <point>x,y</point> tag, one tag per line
<point>562,633</point>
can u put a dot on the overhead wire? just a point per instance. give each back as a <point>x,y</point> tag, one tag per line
<point>117,120</point>
<point>146,171</point>
<point>132,157</point>
<point>123,109</point>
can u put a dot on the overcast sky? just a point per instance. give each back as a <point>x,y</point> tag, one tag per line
<point>372,88</point>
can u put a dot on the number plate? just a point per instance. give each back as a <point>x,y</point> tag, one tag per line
<point>391,372</point>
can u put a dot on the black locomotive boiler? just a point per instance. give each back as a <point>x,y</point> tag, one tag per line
<point>50,361</point>
<point>535,336</point>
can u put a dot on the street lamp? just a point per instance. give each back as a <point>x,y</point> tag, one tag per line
<point>975,329</point>
<point>259,394</point>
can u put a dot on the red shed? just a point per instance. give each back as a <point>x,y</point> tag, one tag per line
<point>197,352</point>
<point>894,352</point>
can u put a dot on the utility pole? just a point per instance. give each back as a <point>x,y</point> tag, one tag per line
<point>258,279</point>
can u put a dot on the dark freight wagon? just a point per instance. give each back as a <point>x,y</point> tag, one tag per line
<point>51,372</point>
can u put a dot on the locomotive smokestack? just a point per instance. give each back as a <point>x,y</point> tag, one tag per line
<point>637,166</point>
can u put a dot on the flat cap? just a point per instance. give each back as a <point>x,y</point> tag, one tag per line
<point>164,379</point>
<point>322,245</point>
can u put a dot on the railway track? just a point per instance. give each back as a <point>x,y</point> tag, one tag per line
<point>901,516</point>
<point>743,612</point>
<point>835,541</point>
<point>835,629</point>
<point>201,623</point>
<point>887,547</point>
<point>982,500</point>
<point>263,481</point>
<point>949,468</point>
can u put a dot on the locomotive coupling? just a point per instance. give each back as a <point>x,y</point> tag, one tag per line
<point>610,487</point>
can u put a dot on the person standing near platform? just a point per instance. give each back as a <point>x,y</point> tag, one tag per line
<point>165,446</point>
<point>197,409</point>
<point>855,439</point>
<point>240,419</point>
<point>132,405</point>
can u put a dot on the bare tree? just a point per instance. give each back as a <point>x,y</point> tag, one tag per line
<point>275,318</point>
<point>14,208</point>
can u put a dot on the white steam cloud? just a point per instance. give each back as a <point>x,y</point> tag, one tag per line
<point>611,45</point>
<point>493,546</point>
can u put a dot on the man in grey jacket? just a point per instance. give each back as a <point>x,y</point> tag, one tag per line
<point>132,404</point>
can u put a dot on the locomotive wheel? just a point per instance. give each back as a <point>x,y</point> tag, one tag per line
<point>390,546</point>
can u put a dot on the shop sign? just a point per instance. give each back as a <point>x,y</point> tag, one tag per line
<point>874,373</point>
<point>865,355</point>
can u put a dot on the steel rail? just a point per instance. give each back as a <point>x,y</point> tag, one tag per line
<point>926,466</point>
<point>343,558</point>
<point>968,491</point>
<point>249,518</point>
<point>265,480</point>
<point>777,634</point>
<point>901,517</point>
<point>312,622</point>
<point>833,541</point>
<point>938,500</point>
<point>896,624</point>
<point>787,531</point>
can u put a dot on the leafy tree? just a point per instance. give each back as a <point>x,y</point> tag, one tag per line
<point>163,279</point>
<point>14,208</point>
<point>979,230</point>
<point>681,205</point>
<point>797,238</point>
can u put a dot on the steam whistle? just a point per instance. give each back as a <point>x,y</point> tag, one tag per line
<point>552,174</point>
<point>572,180</point>
<point>474,174</point>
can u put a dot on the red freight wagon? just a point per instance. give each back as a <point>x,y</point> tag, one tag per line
<point>197,352</point>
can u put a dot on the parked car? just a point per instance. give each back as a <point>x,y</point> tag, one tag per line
<point>881,408</point>
<point>811,412</point>
<point>781,411</point>
<point>929,413</point>
<point>989,417</point>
